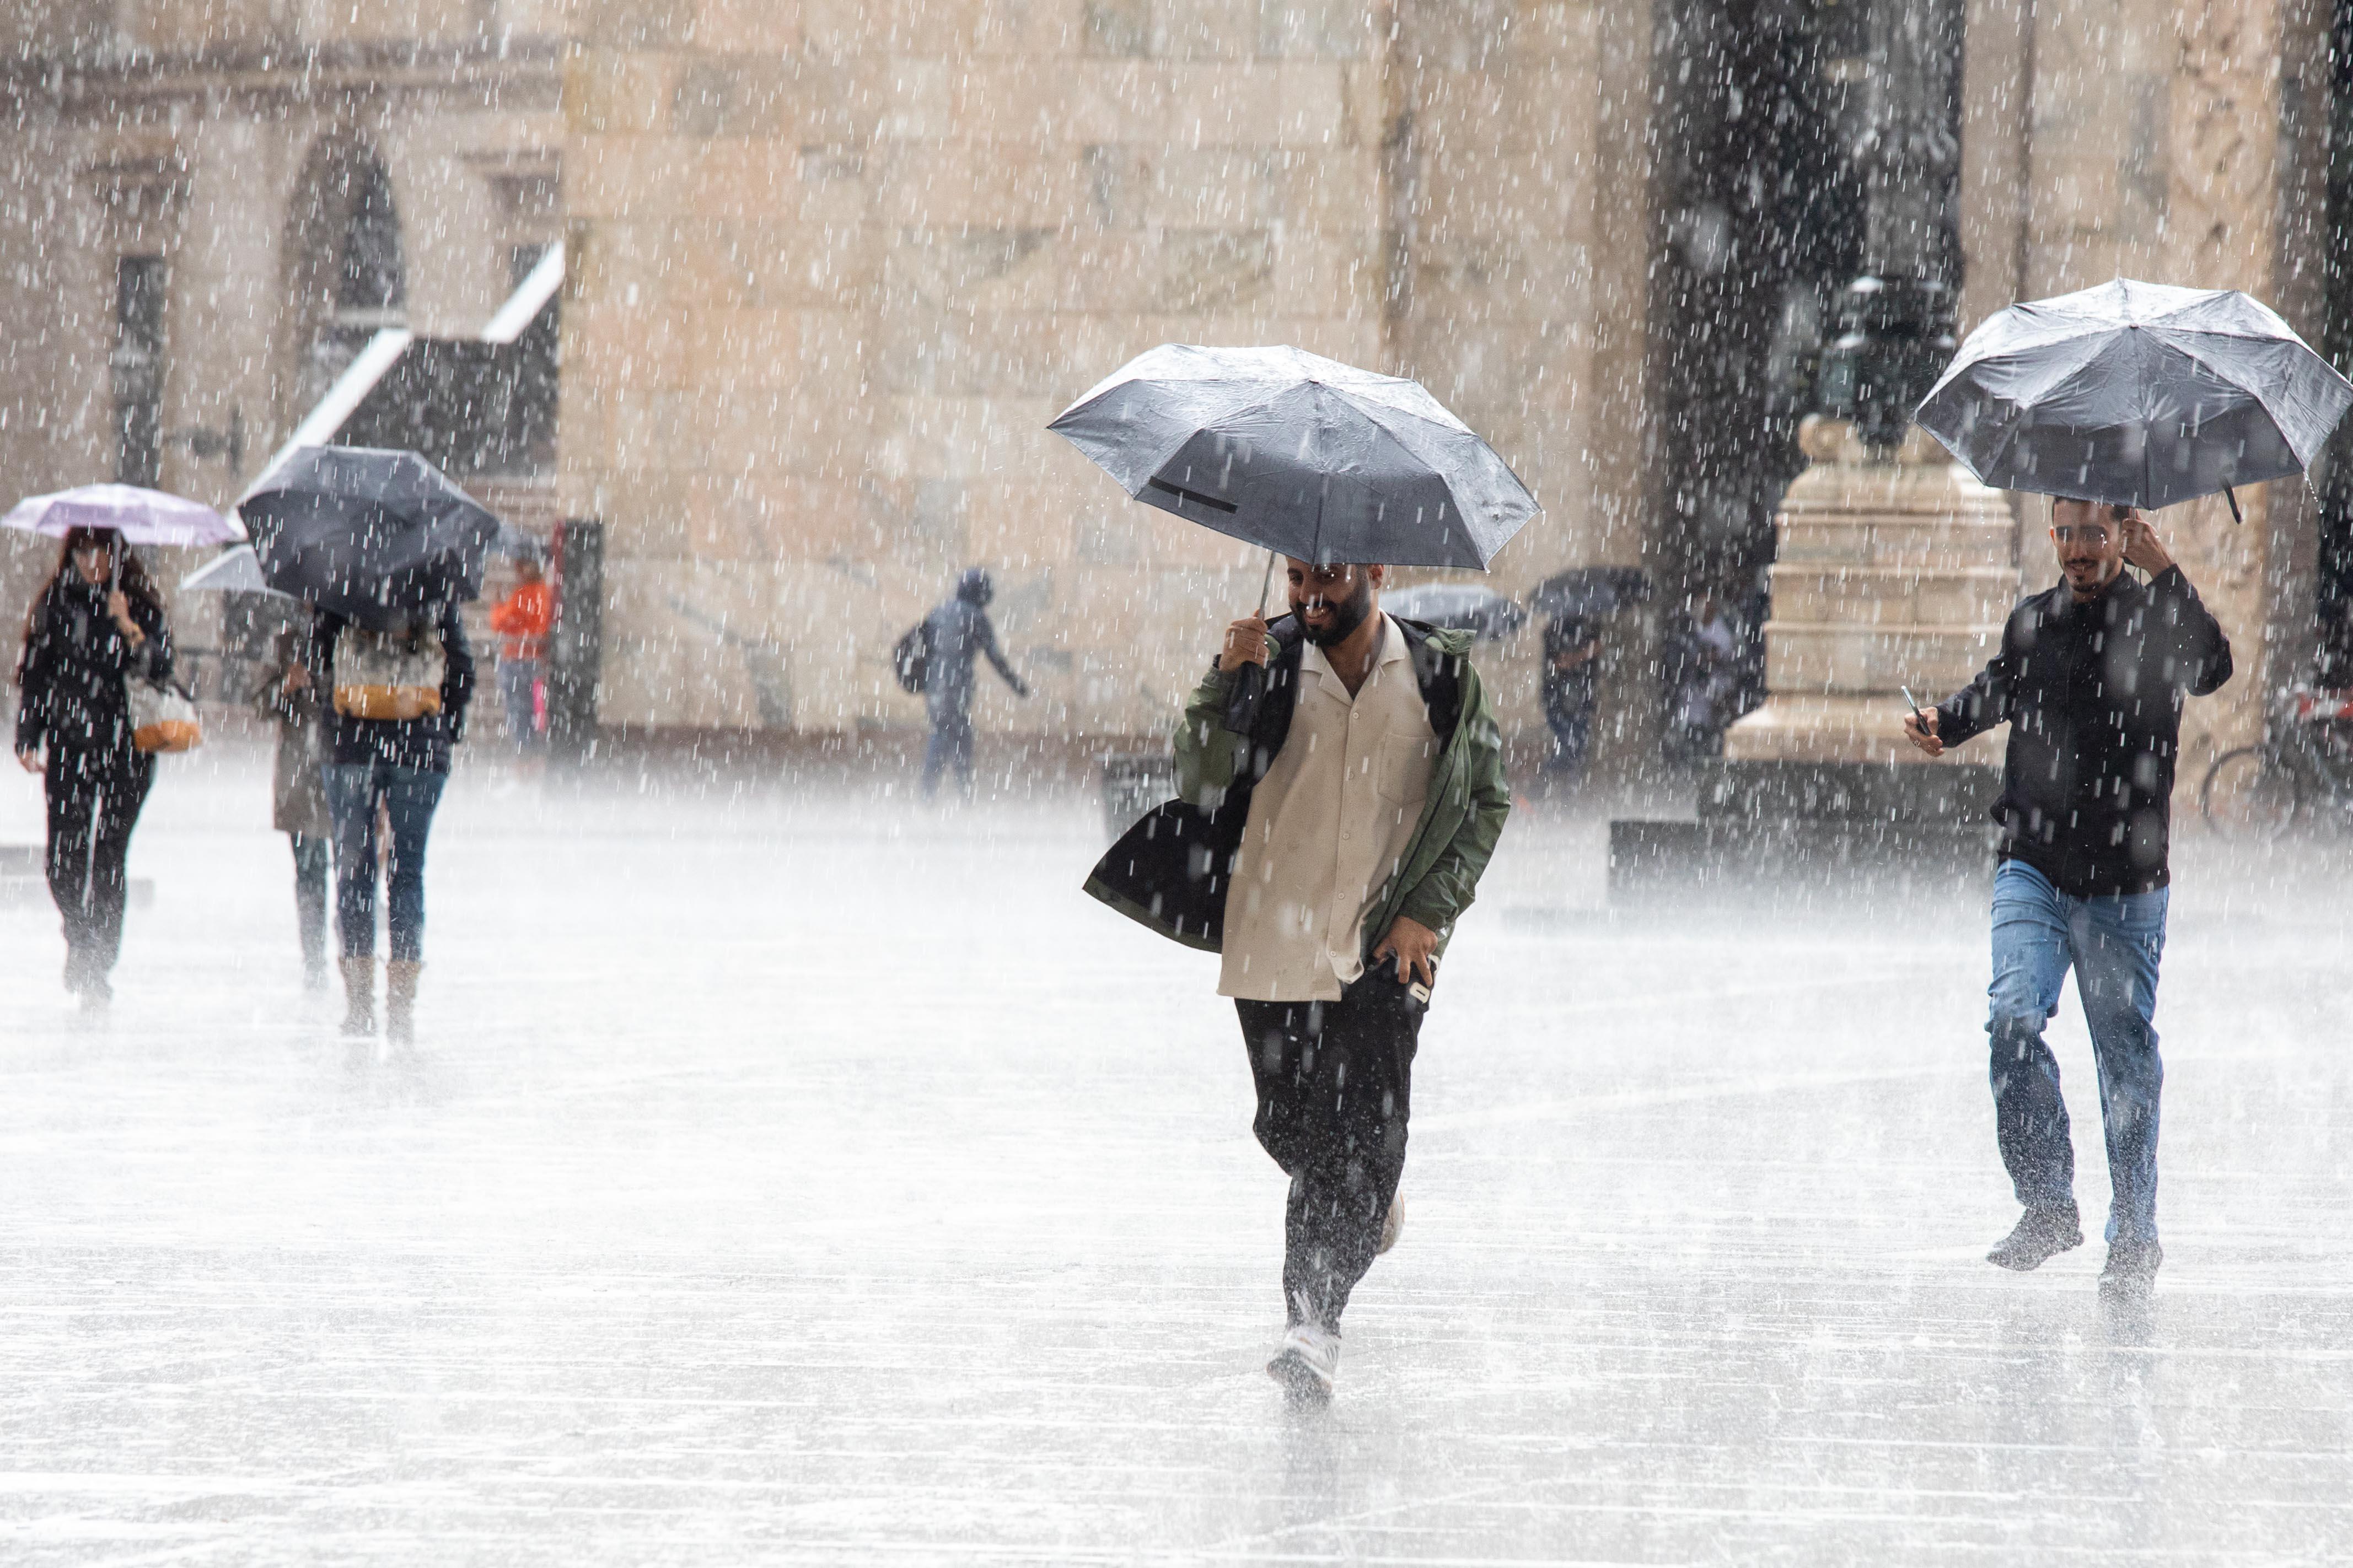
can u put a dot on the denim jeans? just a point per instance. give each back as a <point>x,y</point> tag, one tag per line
<point>355,791</point>
<point>2113,944</point>
<point>519,691</point>
<point>949,750</point>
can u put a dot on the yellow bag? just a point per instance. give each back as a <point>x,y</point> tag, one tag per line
<point>394,676</point>
<point>162,720</point>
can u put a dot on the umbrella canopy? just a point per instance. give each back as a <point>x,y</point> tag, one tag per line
<point>1458,607</point>
<point>374,535</point>
<point>236,570</point>
<point>141,516</point>
<point>1590,592</point>
<point>2137,394</point>
<point>1302,454</point>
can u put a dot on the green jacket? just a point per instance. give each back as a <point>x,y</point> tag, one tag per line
<point>1170,870</point>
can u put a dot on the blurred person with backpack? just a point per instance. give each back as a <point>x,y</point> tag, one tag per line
<point>522,619</point>
<point>936,659</point>
<point>298,793</point>
<point>97,630</point>
<point>399,697</point>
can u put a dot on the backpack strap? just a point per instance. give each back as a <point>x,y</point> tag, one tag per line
<point>1439,674</point>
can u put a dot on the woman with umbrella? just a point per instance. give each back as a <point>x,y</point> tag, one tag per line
<point>98,624</point>
<point>382,547</point>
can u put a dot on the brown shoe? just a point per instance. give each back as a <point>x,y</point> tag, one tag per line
<point>359,996</point>
<point>400,1000</point>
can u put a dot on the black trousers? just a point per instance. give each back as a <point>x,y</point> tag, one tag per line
<point>1335,1085</point>
<point>313,859</point>
<point>94,796</point>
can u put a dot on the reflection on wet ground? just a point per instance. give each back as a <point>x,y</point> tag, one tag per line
<point>776,1180</point>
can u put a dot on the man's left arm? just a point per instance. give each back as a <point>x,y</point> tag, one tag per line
<point>2197,653</point>
<point>1438,900</point>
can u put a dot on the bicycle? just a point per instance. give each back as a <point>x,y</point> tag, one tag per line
<point>2302,771</point>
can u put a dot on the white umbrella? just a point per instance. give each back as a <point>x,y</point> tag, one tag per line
<point>233,571</point>
<point>141,516</point>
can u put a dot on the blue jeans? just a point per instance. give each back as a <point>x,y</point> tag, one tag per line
<point>2113,944</point>
<point>949,750</point>
<point>355,791</point>
<point>518,683</point>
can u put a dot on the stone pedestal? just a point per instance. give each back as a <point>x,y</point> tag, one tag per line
<point>1891,572</point>
<point>1888,574</point>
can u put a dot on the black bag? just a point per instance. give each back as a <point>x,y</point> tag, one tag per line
<point>911,662</point>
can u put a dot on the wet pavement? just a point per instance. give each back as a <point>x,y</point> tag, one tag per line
<point>776,1180</point>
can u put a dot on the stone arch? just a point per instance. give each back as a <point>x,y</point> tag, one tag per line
<point>347,272</point>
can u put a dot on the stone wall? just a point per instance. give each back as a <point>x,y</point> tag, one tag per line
<point>836,268</point>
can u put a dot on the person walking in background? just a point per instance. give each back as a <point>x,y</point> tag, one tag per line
<point>297,795</point>
<point>399,698</point>
<point>1572,670</point>
<point>956,633</point>
<point>1704,680</point>
<point>522,619</point>
<point>98,624</point>
<point>2091,679</point>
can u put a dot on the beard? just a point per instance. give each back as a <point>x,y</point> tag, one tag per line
<point>1346,616</point>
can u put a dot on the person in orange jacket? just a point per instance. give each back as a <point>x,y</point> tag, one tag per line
<point>522,619</point>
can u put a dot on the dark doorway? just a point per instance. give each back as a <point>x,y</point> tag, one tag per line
<point>137,369</point>
<point>2333,573</point>
<point>1761,223</point>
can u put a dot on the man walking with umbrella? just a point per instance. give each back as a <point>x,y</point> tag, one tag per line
<point>2133,395</point>
<point>1375,788</point>
<point>1340,775</point>
<point>2090,678</point>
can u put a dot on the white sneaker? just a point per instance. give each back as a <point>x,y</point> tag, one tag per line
<point>1392,1223</point>
<point>1309,1362</point>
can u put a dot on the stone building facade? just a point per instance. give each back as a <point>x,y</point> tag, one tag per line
<point>833,266</point>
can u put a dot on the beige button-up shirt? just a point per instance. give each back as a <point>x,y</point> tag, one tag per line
<point>1327,826</point>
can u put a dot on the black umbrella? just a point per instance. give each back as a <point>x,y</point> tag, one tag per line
<point>1589,593</point>
<point>1458,607</point>
<point>2137,394</point>
<point>1301,454</point>
<point>377,536</point>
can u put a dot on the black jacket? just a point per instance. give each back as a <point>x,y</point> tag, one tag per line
<point>72,690</point>
<point>401,742</point>
<point>2093,694</point>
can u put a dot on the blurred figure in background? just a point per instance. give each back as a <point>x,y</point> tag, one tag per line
<point>956,633</point>
<point>1572,670</point>
<point>98,623</point>
<point>298,796</point>
<point>522,619</point>
<point>399,699</point>
<point>1704,680</point>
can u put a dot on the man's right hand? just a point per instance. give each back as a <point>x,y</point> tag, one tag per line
<point>1245,644</point>
<point>1920,729</point>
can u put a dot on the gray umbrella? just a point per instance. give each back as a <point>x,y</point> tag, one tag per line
<point>1471,607</point>
<point>236,570</point>
<point>1301,454</point>
<point>2138,393</point>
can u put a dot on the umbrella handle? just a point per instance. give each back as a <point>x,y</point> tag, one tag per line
<point>1266,586</point>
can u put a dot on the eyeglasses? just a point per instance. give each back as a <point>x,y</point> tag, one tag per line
<point>2094,534</point>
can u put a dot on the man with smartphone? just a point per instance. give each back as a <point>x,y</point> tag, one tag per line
<point>2091,679</point>
<point>1325,843</point>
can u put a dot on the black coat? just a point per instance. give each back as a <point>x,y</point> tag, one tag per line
<point>72,692</point>
<point>2093,694</point>
<point>402,743</point>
